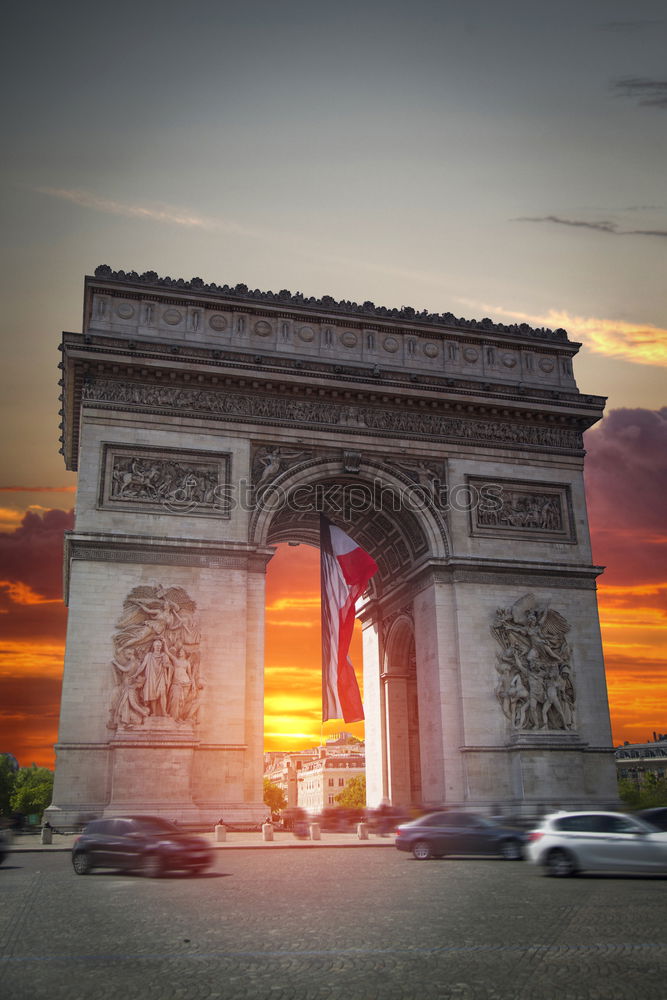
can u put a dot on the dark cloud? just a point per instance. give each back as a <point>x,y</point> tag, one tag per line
<point>611,228</point>
<point>32,553</point>
<point>647,93</point>
<point>626,486</point>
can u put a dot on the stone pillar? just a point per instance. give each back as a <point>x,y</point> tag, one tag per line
<point>375,735</point>
<point>439,693</point>
<point>398,759</point>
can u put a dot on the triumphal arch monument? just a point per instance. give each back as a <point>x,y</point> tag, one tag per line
<point>208,423</point>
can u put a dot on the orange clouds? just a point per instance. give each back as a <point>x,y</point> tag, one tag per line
<point>640,343</point>
<point>626,485</point>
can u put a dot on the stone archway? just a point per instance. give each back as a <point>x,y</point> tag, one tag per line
<point>404,531</point>
<point>186,408</point>
<point>401,713</point>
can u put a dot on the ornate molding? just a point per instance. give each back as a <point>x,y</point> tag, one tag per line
<point>366,310</point>
<point>343,417</point>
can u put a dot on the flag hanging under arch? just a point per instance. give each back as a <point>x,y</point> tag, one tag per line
<point>345,570</point>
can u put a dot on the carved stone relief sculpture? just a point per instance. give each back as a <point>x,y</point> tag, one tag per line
<point>506,508</point>
<point>524,510</point>
<point>534,686</point>
<point>269,462</point>
<point>375,419</point>
<point>175,482</point>
<point>428,476</point>
<point>156,661</point>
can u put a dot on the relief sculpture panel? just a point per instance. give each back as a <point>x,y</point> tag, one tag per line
<point>156,661</point>
<point>165,481</point>
<point>535,687</point>
<point>508,509</point>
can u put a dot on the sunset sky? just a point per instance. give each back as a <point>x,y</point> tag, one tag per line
<point>502,160</point>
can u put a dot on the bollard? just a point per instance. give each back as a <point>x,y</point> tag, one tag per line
<point>315,831</point>
<point>362,831</point>
<point>47,835</point>
<point>267,831</point>
<point>220,833</point>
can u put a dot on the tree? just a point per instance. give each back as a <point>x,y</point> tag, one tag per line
<point>353,795</point>
<point>651,792</point>
<point>7,781</point>
<point>32,792</point>
<point>274,797</point>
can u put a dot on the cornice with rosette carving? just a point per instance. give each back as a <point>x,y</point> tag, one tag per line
<point>366,310</point>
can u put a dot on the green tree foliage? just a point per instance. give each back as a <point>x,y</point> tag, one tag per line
<point>353,795</point>
<point>7,780</point>
<point>650,793</point>
<point>32,791</point>
<point>274,797</point>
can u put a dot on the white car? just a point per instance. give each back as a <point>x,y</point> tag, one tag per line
<point>569,842</point>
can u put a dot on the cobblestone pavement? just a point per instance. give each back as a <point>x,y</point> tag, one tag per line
<point>329,924</point>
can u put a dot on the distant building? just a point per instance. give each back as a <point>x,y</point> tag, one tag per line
<point>321,780</point>
<point>312,778</point>
<point>635,760</point>
<point>282,769</point>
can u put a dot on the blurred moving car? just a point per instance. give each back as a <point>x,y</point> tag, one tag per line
<point>149,844</point>
<point>339,819</point>
<point>441,833</point>
<point>657,816</point>
<point>567,843</point>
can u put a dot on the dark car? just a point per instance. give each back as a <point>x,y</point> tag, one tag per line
<point>148,844</point>
<point>657,817</point>
<point>441,833</point>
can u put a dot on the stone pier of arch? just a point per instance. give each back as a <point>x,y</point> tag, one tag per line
<point>207,424</point>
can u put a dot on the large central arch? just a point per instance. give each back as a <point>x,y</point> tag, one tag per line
<point>398,522</point>
<point>209,424</point>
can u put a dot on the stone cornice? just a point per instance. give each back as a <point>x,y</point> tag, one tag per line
<point>557,419</point>
<point>163,551</point>
<point>240,295</point>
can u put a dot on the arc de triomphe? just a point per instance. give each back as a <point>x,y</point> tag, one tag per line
<point>209,423</point>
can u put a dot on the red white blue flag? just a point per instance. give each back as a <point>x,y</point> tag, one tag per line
<point>345,571</point>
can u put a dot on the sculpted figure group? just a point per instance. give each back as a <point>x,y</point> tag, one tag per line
<point>534,685</point>
<point>156,659</point>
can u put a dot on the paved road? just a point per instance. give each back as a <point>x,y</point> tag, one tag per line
<point>329,924</point>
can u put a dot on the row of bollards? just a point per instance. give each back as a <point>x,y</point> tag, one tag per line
<point>314,832</point>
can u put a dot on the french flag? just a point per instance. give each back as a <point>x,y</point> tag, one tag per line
<point>345,571</point>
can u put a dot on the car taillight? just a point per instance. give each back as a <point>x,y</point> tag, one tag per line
<point>535,834</point>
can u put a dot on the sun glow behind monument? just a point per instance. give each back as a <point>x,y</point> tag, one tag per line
<point>293,678</point>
